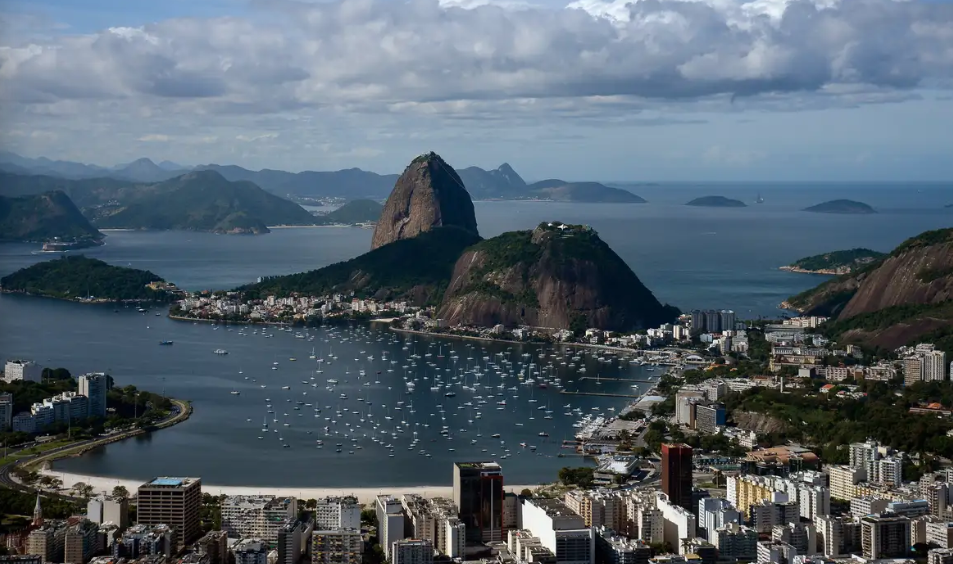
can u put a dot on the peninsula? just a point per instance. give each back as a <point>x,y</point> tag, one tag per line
<point>355,212</point>
<point>835,263</point>
<point>82,279</point>
<point>716,202</point>
<point>845,207</point>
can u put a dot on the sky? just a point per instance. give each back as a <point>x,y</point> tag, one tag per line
<point>611,90</point>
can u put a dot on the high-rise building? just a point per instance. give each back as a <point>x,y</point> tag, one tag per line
<point>390,522</point>
<point>6,412</point>
<point>726,319</point>
<point>708,418</point>
<point>294,540</point>
<point>94,386</point>
<point>258,516</point>
<point>175,502</point>
<point>337,546</point>
<point>933,365</point>
<point>25,370</point>
<point>81,542</point>
<point>108,509</point>
<point>615,549</point>
<point>412,551</point>
<point>735,542</point>
<point>337,513</point>
<point>250,551</point>
<point>884,536</point>
<point>560,530</point>
<point>715,513</point>
<point>912,370</point>
<point>677,474</point>
<point>48,542</point>
<point>478,495</point>
<point>214,545</point>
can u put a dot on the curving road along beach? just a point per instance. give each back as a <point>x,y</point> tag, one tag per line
<point>364,495</point>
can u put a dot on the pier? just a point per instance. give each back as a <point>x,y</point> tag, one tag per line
<point>633,380</point>
<point>600,394</point>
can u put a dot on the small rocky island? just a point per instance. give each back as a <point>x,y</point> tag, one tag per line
<point>716,202</point>
<point>846,207</point>
<point>835,263</point>
<point>87,280</point>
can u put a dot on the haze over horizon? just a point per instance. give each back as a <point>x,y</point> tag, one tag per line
<point>650,90</point>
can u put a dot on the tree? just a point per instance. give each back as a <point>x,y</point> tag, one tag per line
<point>82,489</point>
<point>311,503</point>
<point>120,492</point>
<point>526,493</point>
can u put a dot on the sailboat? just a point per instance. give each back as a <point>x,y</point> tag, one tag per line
<point>312,356</point>
<point>760,200</point>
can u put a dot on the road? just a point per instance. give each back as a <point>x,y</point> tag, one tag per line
<point>181,411</point>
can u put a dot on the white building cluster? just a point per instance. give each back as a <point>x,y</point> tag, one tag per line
<point>66,408</point>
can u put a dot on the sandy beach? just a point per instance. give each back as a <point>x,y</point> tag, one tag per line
<point>364,495</point>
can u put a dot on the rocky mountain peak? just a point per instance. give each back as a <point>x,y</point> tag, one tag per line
<point>428,194</point>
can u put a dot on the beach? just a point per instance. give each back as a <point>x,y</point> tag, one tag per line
<point>364,495</point>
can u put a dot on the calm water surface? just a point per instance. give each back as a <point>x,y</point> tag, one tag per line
<point>690,257</point>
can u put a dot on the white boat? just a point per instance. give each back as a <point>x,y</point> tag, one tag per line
<point>220,351</point>
<point>235,393</point>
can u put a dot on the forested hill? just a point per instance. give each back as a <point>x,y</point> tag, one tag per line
<point>77,277</point>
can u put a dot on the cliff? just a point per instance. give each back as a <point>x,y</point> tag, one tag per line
<point>905,296</point>
<point>556,276</point>
<point>428,194</point>
<point>43,217</point>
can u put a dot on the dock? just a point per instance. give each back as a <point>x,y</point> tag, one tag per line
<point>600,394</point>
<point>633,380</point>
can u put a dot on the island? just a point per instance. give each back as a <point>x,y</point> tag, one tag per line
<point>355,212</point>
<point>836,263</point>
<point>49,217</point>
<point>716,202</point>
<point>580,192</point>
<point>845,207</point>
<point>88,280</point>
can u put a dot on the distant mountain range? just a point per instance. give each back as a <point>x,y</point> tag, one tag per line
<point>200,201</point>
<point>500,183</point>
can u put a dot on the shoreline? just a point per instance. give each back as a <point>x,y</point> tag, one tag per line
<point>103,301</point>
<point>822,271</point>
<point>364,494</point>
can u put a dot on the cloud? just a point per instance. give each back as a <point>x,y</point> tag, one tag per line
<point>373,54</point>
<point>154,137</point>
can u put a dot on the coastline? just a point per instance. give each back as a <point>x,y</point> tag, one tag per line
<point>824,271</point>
<point>102,301</point>
<point>365,494</point>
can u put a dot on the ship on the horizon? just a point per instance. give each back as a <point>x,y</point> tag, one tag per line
<point>165,343</point>
<point>760,200</point>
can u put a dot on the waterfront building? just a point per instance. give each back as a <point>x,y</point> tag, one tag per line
<point>677,474</point>
<point>560,530</point>
<point>337,546</point>
<point>390,522</point>
<point>259,516</point>
<point>94,386</point>
<point>6,412</point>
<point>511,511</point>
<point>250,551</point>
<point>412,551</point>
<point>25,370</point>
<point>172,501</point>
<point>885,536</point>
<point>24,423</point>
<point>478,495</point>
<point>337,512</point>
<point>214,545</point>
<point>435,519</point>
<point>108,509</point>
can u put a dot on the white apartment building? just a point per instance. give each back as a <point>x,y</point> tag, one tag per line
<point>933,366</point>
<point>22,370</point>
<point>390,522</point>
<point>939,532</point>
<point>257,516</point>
<point>735,542</point>
<point>337,546</point>
<point>715,513</point>
<point>867,505</point>
<point>337,513</point>
<point>678,522</point>
<point>412,551</point>
<point>560,530</point>
<point>94,386</point>
<point>843,479</point>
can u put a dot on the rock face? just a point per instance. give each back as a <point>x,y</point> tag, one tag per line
<point>556,276</point>
<point>904,296</point>
<point>428,194</point>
